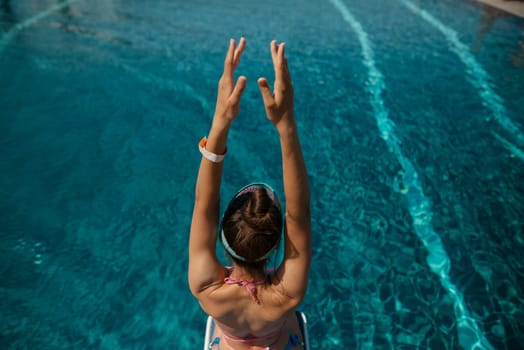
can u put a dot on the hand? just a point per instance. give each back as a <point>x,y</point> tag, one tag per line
<point>229,94</point>
<point>279,103</point>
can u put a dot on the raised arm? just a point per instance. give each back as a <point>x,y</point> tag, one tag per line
<point>293,273</point>
<point>204,268</point>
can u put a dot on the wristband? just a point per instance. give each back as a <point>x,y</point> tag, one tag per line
<point>215,158</point>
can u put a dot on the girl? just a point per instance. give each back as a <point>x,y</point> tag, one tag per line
<point>251,308</point>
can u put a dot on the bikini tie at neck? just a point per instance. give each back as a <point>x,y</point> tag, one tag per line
<point>251,286</point>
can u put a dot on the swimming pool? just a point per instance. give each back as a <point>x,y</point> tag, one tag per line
<point>411,117</point>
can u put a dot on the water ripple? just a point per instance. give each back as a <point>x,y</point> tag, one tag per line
<point>470,335</point>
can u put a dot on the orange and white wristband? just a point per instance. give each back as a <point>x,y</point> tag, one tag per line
<point>215,158</point>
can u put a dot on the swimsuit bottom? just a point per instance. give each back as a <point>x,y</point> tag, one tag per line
<point>293,341</point>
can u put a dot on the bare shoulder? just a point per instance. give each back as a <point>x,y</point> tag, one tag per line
<point>222,300</point>
<point>289,289</point>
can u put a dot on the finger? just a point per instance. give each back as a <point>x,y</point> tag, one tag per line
<point>274,58</point>
<point>229,57</point>
<point>287,75</point>
<point>238,51</point>
<point>238,90</point>
<point>279,62</point>
<point>273,48</point>
<point>265,91</point>
<point>281,49</point>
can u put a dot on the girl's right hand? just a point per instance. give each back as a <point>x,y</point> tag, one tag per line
<point>279,103</point>
<point>229,93</point>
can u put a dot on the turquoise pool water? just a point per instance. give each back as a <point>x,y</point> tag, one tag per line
<point>411,116</point>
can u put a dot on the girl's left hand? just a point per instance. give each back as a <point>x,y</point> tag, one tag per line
<point>229,93</point>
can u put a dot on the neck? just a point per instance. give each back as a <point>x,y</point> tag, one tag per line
<point>247,274</point>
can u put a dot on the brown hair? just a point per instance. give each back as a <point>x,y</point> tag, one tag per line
<point>252,225</point>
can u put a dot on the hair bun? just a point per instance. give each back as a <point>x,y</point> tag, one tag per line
<point>254,226</point>
<point>258,213</point>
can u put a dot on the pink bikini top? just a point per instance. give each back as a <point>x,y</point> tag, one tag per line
<point>252,290</point>
<point>249,285</point>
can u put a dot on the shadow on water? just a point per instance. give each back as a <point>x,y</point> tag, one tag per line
<point>14,27</point>
<point>66,9</point>
<point>68,23</point>
<point>6,6</point>
<point>6,11</point>
<point>490,15</point>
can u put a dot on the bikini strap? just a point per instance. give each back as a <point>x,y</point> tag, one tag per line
<point>215,341</point>
<point>249,285</point>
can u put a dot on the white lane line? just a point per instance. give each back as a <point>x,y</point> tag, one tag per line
<point>477,76</point>
<point>515,151</point>
<point>470,336</point>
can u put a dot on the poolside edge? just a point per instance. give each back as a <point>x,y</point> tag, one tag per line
<point>514,7</point>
